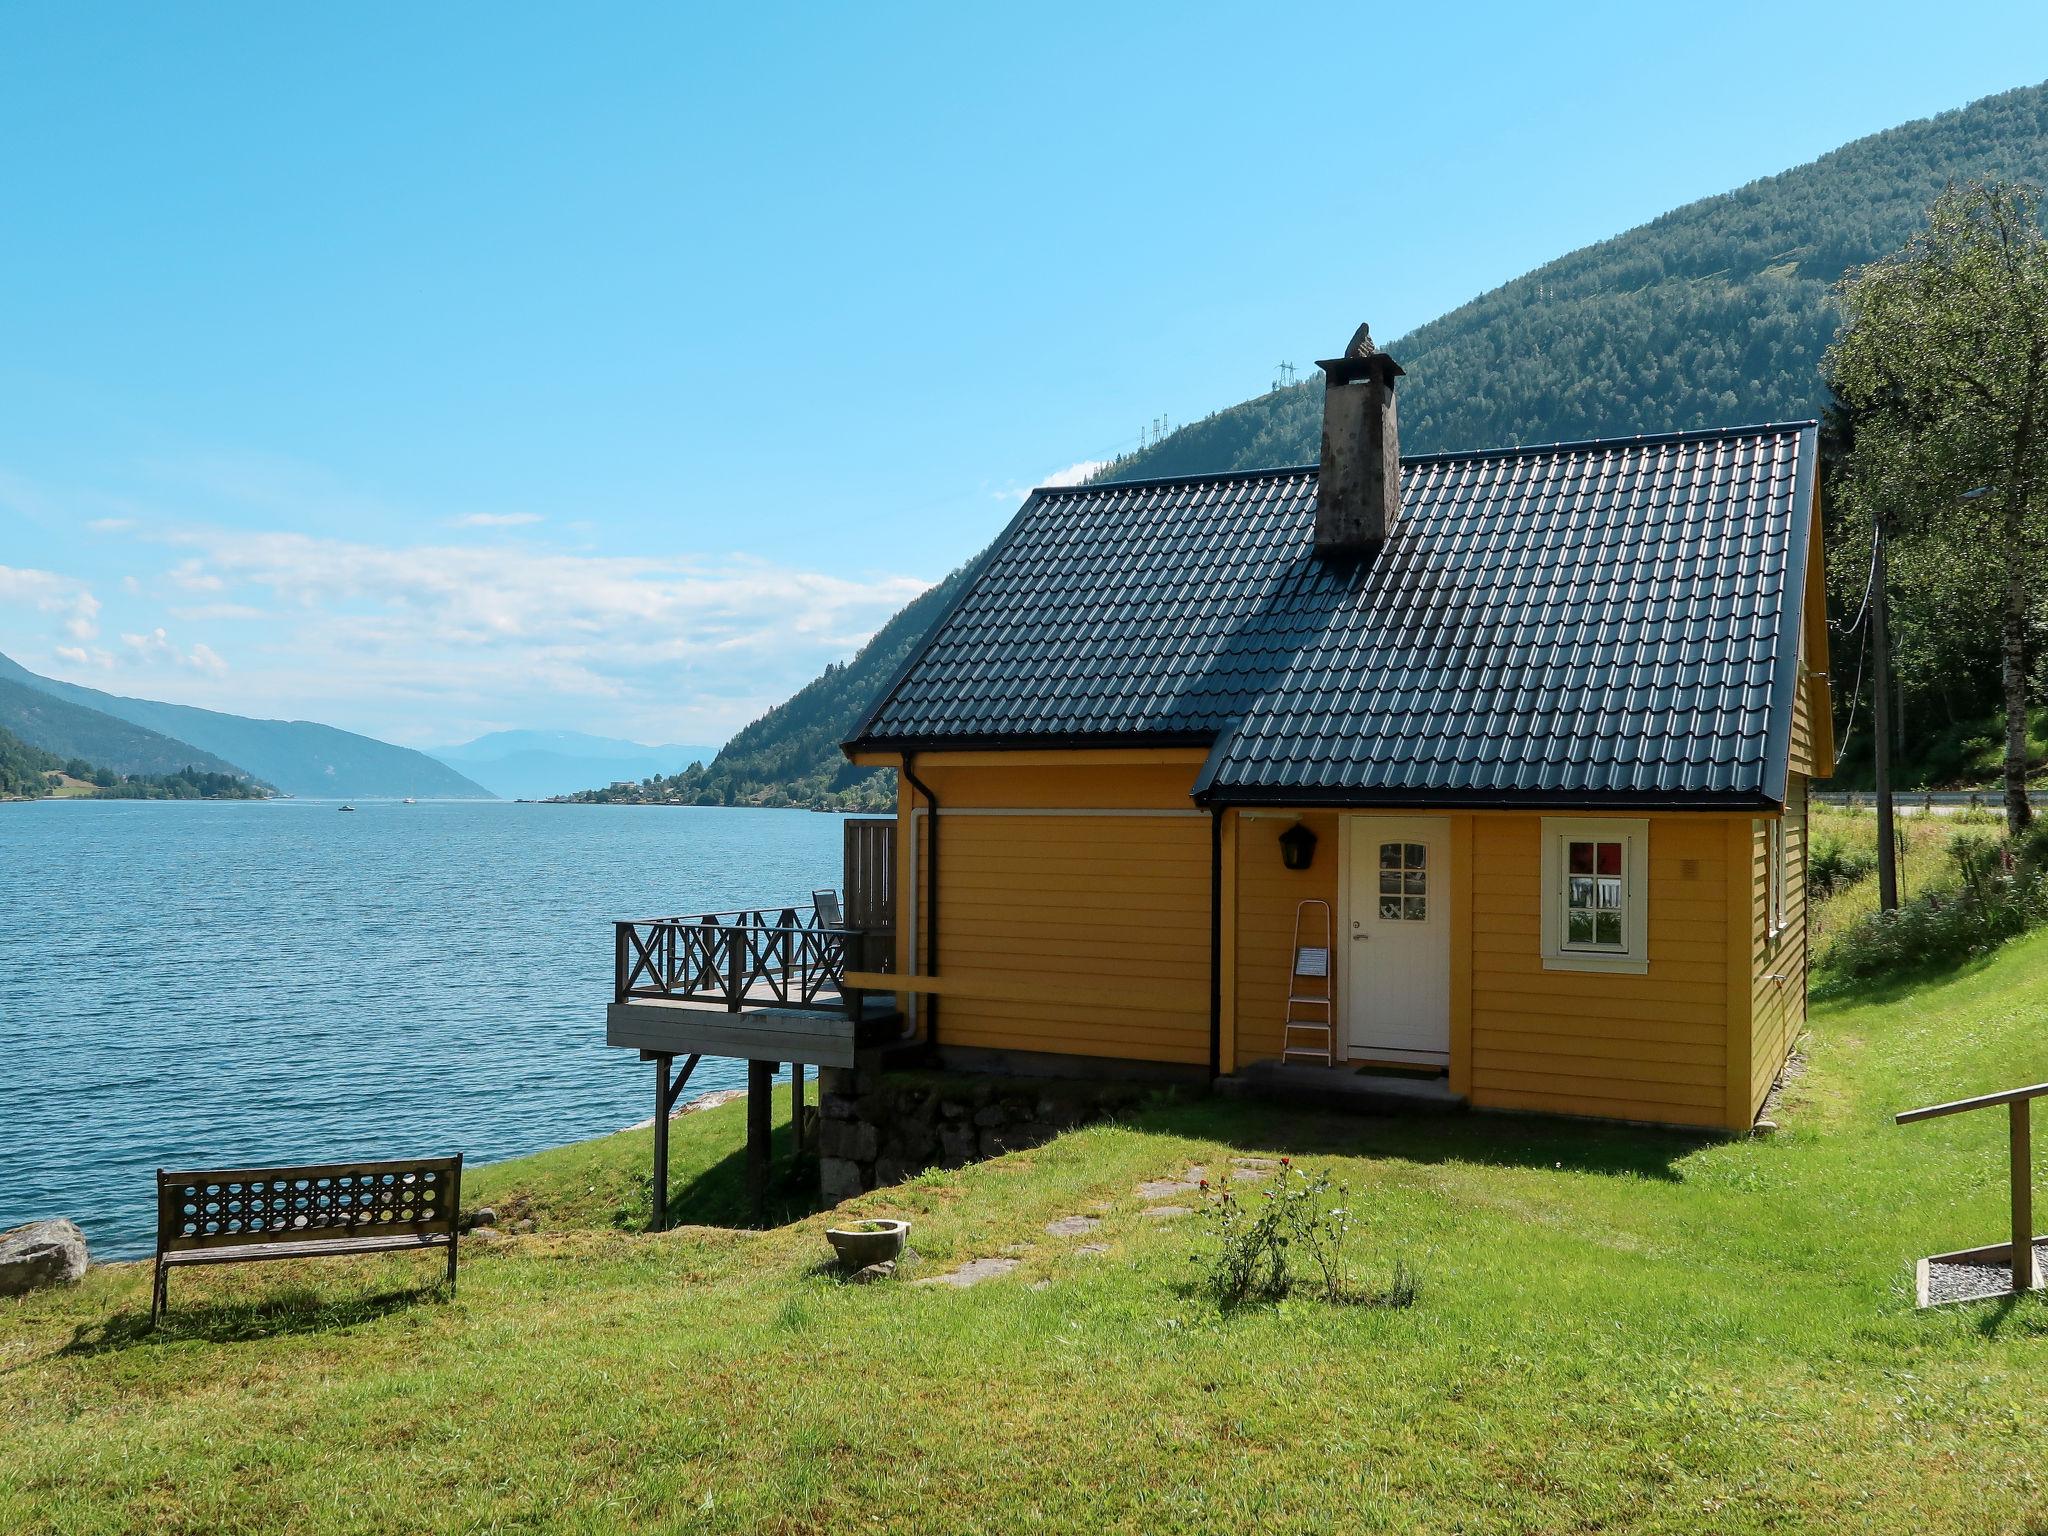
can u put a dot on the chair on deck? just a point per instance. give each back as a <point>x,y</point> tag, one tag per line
<point>826,905</point>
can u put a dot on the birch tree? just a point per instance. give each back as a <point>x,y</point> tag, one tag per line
<point>1943,355</point>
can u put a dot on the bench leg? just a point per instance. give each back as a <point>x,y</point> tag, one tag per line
<point>158,1289</point>
<point>451,1266</point>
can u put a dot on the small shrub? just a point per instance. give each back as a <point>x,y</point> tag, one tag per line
<point>1296,1232</point>
<point>1993,893</point>
<point>1836,866</point>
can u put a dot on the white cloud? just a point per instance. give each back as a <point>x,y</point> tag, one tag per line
<point>111,524</point>
<point>669,646</point>
<point>191,576</point>
<point>1075,474</point>
<point>80,656</point>
<point>497,519</point>
<point>156,648</point>
<point>48,592</point>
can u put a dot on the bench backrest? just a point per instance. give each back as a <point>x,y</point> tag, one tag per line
<point>224,1207</point>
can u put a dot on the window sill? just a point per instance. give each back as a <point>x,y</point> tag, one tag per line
<point>1623,965</point>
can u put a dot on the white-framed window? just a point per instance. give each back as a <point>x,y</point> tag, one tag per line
<point>1775,861</point>
<point>1596,894</point>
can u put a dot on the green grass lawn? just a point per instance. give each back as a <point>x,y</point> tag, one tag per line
<point>1618,1330</point>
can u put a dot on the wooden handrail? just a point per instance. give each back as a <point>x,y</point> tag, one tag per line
<point>1982,1101</point>
<point>2020,1165</point>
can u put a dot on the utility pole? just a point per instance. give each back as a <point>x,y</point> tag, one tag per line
<point>1881,733</point>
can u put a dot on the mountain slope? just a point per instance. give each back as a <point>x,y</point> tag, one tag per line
<point>296,756</point>
<point>532,765</point>
<point>1715,314</point>
<point>67,730</point>
<point>790,756</point>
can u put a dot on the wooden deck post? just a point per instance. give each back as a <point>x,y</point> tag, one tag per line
<point>760,1105</point>
<point>796,1106</point>
<point>658,1222</point>
<point>2022,1198</point>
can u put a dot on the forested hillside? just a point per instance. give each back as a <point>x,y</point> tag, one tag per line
<point>73,730</point>
<point>1715,314</point>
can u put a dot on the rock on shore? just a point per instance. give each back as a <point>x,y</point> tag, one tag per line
<point>39,1254</point>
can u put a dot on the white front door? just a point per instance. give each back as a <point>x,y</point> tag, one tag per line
<point>1397,992</point>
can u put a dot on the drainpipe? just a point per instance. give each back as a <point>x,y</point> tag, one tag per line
<point>1215,942</point>
<point>930,1001</point>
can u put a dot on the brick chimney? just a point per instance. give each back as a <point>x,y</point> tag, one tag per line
<point>1358,493</point>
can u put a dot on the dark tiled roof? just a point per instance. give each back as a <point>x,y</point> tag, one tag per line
<point>1611,622</point>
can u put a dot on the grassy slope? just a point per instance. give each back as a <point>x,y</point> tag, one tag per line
<point>1618,1329</point>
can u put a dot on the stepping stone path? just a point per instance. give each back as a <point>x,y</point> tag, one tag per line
<point>1072,1226</point>
<point>1166,1212</point>
<point>973,1272</point>
<point>1165,1189</point>
<point>1091,1249</point>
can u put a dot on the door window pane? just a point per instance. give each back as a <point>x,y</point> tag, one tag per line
<point>1404,882</point>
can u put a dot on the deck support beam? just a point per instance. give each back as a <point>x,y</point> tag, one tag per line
<point>665,1095</point>
<point>796,1106</point>
<point>760,1123</point>
<point>658,1219</point>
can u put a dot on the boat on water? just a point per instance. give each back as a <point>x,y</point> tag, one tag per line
<point>348,807</point>
<point>410,801</point>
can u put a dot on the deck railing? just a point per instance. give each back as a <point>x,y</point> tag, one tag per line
<point>758,957</point>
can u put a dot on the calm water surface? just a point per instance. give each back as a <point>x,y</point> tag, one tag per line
<point>192,984</point>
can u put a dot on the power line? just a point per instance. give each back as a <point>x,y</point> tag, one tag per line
<point>1869,584</point>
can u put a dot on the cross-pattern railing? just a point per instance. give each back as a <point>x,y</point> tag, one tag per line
<point>759,957</point>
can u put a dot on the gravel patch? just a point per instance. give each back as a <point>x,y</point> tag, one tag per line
<point>1976,1282</point>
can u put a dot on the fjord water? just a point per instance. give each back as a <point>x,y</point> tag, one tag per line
<point>190,984</point>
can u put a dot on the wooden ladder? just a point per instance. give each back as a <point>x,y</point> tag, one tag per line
<point>1308,988</point>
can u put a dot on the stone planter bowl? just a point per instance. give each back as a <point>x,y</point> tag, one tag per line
<point>868,1242</point>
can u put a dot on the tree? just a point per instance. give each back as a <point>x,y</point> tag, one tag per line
<point>1943,356</point>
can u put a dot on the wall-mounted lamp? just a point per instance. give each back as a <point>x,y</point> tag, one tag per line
<point>1297,847</point>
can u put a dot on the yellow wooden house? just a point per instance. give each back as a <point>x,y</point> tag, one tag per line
<point>1534,726</point>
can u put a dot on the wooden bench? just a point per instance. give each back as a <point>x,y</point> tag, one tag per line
<point>316,1210</point>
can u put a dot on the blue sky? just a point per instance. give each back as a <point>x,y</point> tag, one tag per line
<point>429,370</point>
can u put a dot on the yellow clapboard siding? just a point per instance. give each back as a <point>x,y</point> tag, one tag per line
<point>1508,968</point>
<point>1639,1072</point>
<point>1107,953</point>
<point>1598,1004</point>
<point>1548,1044</point>
<point>1090,932</point>
<point>1606,1085</point>
<point>1579,1025</point>
<point>1649,1046</point>
<point>1559,1101</point>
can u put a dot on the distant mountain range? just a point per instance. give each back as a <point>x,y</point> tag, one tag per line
<point>1715,314</point>
<point>532,765</point>
<point>298,757</point>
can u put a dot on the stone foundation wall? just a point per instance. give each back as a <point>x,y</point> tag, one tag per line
<point>877,1128</point>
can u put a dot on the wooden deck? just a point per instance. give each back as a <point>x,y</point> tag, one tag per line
<point>823,1035</point>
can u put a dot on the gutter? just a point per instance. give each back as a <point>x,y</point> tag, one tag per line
<point>930,1003</point>
<point>1215,942</point>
